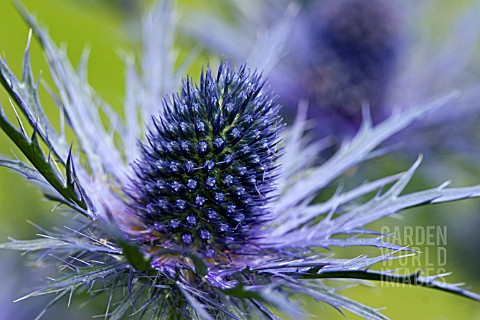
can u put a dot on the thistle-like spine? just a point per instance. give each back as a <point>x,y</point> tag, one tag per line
<point>205,177</point>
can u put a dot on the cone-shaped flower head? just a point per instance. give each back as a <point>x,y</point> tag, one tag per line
<point>204,178</point>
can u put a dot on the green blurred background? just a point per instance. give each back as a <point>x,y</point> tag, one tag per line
<point>111,27</point>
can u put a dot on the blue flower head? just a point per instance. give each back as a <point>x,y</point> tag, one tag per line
<point>202,218</point>
<point>207,171</point>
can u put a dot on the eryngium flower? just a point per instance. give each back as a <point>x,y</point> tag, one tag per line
<point>205,175</point>
<point>126,250</point>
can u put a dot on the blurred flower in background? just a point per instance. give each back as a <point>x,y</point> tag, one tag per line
<point>289,258</point>
<point>342,55</point>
